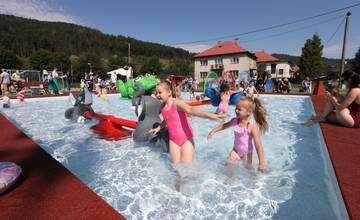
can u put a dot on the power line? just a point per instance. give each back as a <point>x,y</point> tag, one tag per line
<point>337,29</point>
<point>270,27</point>
<point>294,30</point>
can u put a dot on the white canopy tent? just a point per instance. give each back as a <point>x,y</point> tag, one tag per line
<point>121,71</point>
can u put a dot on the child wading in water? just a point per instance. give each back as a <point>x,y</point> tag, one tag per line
<point>180,132</point>
<point>246,132</point>
<point>225,94</point>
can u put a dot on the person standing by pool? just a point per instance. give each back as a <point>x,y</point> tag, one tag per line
<point>175,113</point>
<point>54,83</point>
<point>246,132</point>
<point>68,80</point>
<point>5,81</point>
<point>306,84</point>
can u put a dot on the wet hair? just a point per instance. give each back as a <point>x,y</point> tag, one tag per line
<point>352,77</point>
<point>259,111</point>
<point>169,86</point>
<point>224,87</point>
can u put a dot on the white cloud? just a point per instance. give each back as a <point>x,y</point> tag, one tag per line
<point>333,50</point>
<point>36,9</point>
<point>194,48</point>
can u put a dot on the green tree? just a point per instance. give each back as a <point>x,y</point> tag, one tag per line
<point>355,63</point>
<point>93,61</point>
<point>311,63</point>
<point>9,60</point>
<point>115,62</point>
<point>61,61</point>
<point>40,60</point>
<point>179,67</point>
<point>74,67</point>
<point>152,65</point>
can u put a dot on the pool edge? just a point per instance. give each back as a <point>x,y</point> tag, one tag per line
<point>67,197</point>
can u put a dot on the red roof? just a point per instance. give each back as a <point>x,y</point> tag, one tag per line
<point>222,49</point>
<point>262,56</point>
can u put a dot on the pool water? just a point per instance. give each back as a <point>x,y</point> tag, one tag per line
<point>139,181</point>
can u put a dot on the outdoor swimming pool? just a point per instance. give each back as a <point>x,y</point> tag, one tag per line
<point>139,181</point>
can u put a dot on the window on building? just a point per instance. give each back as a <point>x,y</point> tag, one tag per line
<point>234,60</point>
<point>203,74</point>
<point>281,71</point>
<point>273,68</point>
<point>235,73</point>
<point>203,62</point>
<point>219,61</point>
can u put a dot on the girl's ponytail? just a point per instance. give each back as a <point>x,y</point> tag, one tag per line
<point>170,86</point>
<point>260,115</point>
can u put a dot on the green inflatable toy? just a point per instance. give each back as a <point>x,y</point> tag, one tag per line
<point>127,90</point>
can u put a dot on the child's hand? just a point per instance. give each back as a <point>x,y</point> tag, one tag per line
<point>210,134</point>
<point>262,168</point>
<point>154,131</point>
<point>217,117</point>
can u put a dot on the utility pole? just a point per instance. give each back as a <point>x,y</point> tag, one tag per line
<point>129,53</point>
<point>342,66</point>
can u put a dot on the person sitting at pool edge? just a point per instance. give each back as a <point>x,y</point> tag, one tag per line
<point>347,112</point>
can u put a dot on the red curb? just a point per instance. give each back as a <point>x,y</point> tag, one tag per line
<point>344,151</point>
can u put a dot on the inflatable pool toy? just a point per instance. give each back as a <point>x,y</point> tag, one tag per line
<point>235,97</point>
<point>213,94</point>
<point>111,128</point>
<point>147,109</point>
<point>268,85</point>
<point>128,89</point>
<point>9,173</point>
<point>81,104</point>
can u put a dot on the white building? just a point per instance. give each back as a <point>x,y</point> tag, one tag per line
<point>225,56</point>
<point>277,68</point>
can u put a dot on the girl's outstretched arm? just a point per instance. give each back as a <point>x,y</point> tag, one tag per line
<point>259,148</point>
<point>219,128</point>
<point>181,105</point>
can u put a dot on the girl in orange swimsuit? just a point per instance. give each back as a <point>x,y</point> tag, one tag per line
<point>180,132</point>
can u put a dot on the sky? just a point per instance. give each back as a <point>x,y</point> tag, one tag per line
<point>177,23</point>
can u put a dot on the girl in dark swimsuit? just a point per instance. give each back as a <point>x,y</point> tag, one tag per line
<point>346,113</point>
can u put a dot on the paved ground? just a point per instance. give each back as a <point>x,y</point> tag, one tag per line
<point>344,148</point>
<point>46,189</point>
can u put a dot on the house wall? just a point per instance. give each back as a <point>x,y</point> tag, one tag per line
<point>279,65</point>
<point>245,64</point>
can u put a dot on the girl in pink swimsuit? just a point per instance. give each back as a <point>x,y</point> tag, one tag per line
<point>225,94</point>
<point>175,112</point>
<point>246,131</point>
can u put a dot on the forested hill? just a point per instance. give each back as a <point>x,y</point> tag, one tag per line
<point>26,36</point>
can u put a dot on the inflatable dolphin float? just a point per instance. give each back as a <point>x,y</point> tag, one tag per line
<point>81,104</point>
<point>147,109</point>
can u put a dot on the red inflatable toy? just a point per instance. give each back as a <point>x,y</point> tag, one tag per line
<point>111,128</point>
